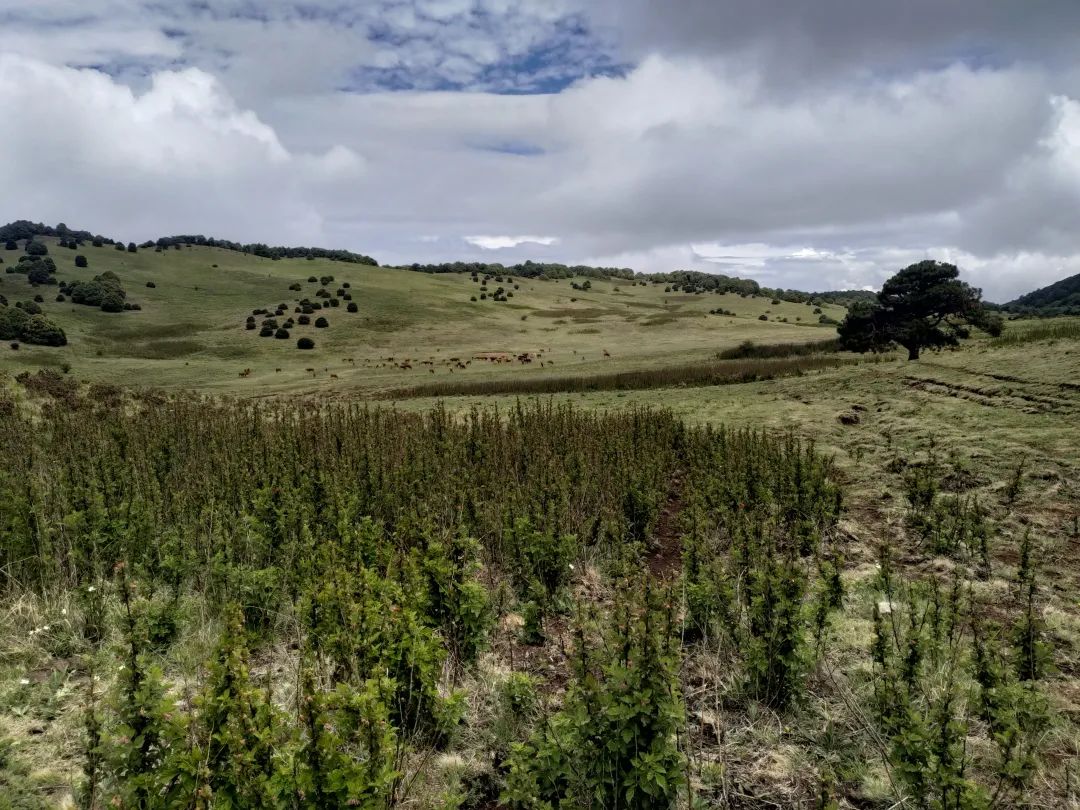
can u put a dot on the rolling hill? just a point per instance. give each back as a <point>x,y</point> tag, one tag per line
<point>194,301</point>
<point>1060,298</point>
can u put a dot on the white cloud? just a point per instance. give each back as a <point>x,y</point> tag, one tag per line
<point>502,242</point>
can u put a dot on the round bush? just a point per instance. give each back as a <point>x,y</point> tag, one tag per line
<point>333,302</point>
<point>305,343</point>
<point>266,331</point>
<point>282,334</point>
<point>346,284</point>
<point>36,249</point>
<point>15,346</point>
<point>763,317</point>
<point>312,280</point>
<point>61,298</point>
<point>352,307</point>
<point>321,323</point>
<point>151,285</point>
<point>250,325</point>
<point>304,320</point>
<point>80,261</point>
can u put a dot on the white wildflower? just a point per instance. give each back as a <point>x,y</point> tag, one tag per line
<point>24,681</point>
<point>91,589</point>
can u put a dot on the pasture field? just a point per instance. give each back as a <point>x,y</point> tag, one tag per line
<point>850,584</point>
<point>190,332</point>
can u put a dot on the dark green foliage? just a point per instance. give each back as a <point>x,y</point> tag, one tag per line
<point>36,249</point>
<point>1060,298</point>
<point>924,306</point>
<point>131,248</point>
<point>612,744</point>
<point>321,323</point>
<point>80,261</point>
<point>43,332</point>
<point>11,244</point>
<point>103,291</point>
<point>282,334</point>
<point>266,331</point>
<point>352,307</point>
<point>305,343</point>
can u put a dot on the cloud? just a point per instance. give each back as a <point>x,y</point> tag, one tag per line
<point>501,242</point>
<point>180,156</point>
<point>807,145</point>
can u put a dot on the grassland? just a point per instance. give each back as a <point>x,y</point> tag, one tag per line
<point>994,422</point>
<point>190,332</point>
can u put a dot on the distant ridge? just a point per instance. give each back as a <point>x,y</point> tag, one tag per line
<point>684,281</point>
<point>1060,298</point>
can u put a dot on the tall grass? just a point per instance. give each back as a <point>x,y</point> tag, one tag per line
<point>748,349</point>
<point>1018,333</point>
<point>717,372</point>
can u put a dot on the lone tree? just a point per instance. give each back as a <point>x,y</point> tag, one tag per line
<point>924,306</point>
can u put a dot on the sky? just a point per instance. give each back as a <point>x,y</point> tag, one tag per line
<point>815,146</point>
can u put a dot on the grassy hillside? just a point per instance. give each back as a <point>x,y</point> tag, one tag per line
<point>190,331</point>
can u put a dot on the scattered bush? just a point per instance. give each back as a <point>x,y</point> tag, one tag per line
<point>36,249</point>
<point>304,320</point>
<point>80,261</point>
<point>305,343</point>
<point>321,323</point>
<point>282,334</point>
<point>352,307</point>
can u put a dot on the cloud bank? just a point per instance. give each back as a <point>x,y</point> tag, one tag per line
<point>806,149</point>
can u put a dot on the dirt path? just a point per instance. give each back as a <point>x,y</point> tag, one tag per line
<point>665,554</point>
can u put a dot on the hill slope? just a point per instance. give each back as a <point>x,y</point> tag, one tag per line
<point>190,330</point>
<point>1060,298</point>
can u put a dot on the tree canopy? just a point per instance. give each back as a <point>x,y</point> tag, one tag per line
<point>924,306</point>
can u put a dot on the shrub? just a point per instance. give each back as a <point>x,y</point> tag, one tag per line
<point>39,299</point>
<point>266,331</point>
<point>98,242</point>
<point>11,244</point>
<point>282,334</point>
<point>295,287</point>
<point>249,325</point>
<point>131,248</point>
<point>763,317</point>
<point>333,302</point>
<point>305,343</point>
<point>61,298</point>
<point>80,261</point>
<point>352,307</point>
<point>321,323</point>
<point>119,246</point>
<point>29,307</point>
<point>103,291</point>
<point>304,320</point>
<point>313,280</point>
<point>36,249</point>
<point>43,332</point>
<point>14,346</point>
<point>39,275</point>
<point>345,284</point>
